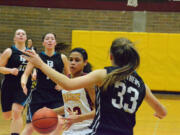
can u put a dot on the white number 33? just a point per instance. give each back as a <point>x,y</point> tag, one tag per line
<point>120,98</point>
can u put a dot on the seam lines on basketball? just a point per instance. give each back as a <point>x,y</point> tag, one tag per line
<point>44,118</point>
<point>46,127</point>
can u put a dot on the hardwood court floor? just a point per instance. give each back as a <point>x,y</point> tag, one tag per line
<point>146,123</point>
<point>149,125</point>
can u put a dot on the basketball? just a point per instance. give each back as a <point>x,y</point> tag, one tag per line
<point>44,120</point>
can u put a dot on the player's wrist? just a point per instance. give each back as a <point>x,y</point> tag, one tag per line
<point>79,118</point>
<point>41,65</point>
<point>11,71</point>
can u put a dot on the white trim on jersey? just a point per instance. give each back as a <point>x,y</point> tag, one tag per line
<point>28,99</point>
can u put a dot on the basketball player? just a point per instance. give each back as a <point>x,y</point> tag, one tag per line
<point>34,73</point>
<point>12,65</point>
<point>45,94</point>
<point>78,104</point>
<point>30,44</point>
<point>120,93</point>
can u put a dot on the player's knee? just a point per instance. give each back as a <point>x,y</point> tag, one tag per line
<point>16,114</point>
<point>16,111</point>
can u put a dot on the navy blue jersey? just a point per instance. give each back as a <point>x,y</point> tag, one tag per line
<point>116,107</point>
<point>45,88</point>
<point>16,61</point>
<point>12,91</point>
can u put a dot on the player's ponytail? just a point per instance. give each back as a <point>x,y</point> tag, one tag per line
<point>125,57</point>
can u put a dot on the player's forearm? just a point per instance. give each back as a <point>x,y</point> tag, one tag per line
<point>5,70</point>
<point>55,76</point>
<point>160,109</point>
<point>86,116</point>
<point>24,79</point>
<point>59,110</point>
<point>155,103</point>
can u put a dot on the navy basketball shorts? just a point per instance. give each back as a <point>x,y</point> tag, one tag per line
<point>12,93</point>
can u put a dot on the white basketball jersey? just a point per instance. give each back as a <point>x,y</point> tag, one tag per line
<point>77,101</point>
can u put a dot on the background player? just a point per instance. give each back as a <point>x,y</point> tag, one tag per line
<point>45,94</point>
<point>12,65</point>
<point>30,44</point>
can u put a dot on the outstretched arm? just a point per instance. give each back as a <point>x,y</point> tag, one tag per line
<point>66,70</point>
<point>160,110</point>
<point>95,77</point>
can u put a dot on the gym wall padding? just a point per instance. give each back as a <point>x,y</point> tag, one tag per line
<point>159,52</point>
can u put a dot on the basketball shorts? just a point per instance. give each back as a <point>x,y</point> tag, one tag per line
<point>12,93</point>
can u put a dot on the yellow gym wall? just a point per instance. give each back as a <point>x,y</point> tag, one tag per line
<point>159,52</point>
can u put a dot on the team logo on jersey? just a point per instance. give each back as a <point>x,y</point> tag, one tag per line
<point>22,67</point>
<point>50,63</point>
<point>23,60</point>
<point>71,97</point>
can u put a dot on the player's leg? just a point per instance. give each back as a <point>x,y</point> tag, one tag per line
<point>28,130</point>
<point>20,100</point>
<point>17,120</point>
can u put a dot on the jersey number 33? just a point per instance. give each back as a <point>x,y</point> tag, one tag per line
<point>120,103</point>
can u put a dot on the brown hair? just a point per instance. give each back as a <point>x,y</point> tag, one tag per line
<point>125,57</point>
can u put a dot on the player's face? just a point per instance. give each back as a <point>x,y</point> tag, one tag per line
<point>49,41</point>
<point>20,36</point>
<point>29,43</point>
<point>76,63</point>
